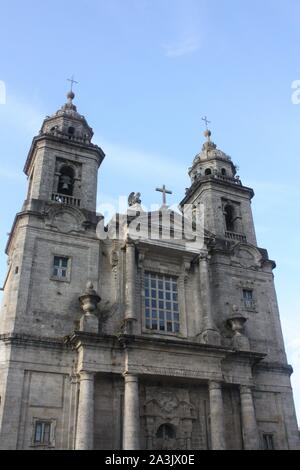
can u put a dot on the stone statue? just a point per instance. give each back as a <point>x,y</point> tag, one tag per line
<point>134,198</point>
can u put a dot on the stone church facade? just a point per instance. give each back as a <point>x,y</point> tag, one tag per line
<point>138,342</point>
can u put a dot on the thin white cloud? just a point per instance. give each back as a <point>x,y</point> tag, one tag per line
<point>183,47</point>
<point>185,26</point>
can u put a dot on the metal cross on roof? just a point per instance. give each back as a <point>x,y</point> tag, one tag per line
<point>206,121</point>
<point>72,82</point>
<point>164,192</point>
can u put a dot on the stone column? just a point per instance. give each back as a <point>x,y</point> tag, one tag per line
<point>217,428</point>
<point>130,315</point>
<point>210,333</point>
<point>85,416</point>
<point>249,425</point>
<point>131,430</point>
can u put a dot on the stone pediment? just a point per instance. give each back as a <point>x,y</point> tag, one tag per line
<point>164,227</point>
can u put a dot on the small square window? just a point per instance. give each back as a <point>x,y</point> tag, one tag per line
<point>248,299</point>
<point>268,441</point>
<point>60,269</point>
<point>43,433</point>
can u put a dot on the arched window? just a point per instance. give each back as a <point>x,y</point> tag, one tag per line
<point>71,131</point>
<point>208,172</point>
<point>66,181</point>
<point>224,172</point>
<point>229,218</point>
<point>166,431</point>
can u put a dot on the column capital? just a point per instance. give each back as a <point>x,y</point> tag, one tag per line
<point>246,389</point>
<point>129,243</point>
<point>86,375</point>
<point>204,257</point>
<point>128,377</point>
<point>215,385</point>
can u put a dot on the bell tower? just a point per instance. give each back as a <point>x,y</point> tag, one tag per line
<point>226,202</point>
<point>55,232</point>
<point>62,163</point>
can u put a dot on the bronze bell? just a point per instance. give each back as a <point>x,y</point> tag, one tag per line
<point>66,182</point>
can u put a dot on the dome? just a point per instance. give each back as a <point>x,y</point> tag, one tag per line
<point>68,123</point>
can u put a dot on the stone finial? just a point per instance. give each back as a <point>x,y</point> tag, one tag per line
<point>89,301</point>
<point>236,322</point>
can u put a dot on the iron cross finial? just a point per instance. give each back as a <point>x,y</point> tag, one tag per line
<point>206,121</point>
<point>164,192</point>
<point>72,82</point>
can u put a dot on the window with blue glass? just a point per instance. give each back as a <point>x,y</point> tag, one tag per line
<point>161,303</point>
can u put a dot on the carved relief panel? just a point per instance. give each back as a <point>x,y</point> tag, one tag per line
<point>169,418</point>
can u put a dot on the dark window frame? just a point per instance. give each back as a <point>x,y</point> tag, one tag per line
<point>268,441</point>
<point>43,432</point>
<point>61,268</point>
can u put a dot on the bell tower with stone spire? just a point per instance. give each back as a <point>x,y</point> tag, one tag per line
<point>226,202</point>
<point>55,231</point>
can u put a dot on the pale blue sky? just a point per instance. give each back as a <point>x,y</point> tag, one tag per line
<point>148,71</point>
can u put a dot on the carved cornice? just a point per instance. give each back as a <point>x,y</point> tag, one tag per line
<point>35,341</point>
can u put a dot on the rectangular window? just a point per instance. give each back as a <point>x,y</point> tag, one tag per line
<point>248,299</point>
<point>60,268</point>
<point>268,441</point>
<point>161,303</point>
<point>42,432</point>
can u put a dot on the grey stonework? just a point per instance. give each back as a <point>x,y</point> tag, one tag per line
<point>90,367</point>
